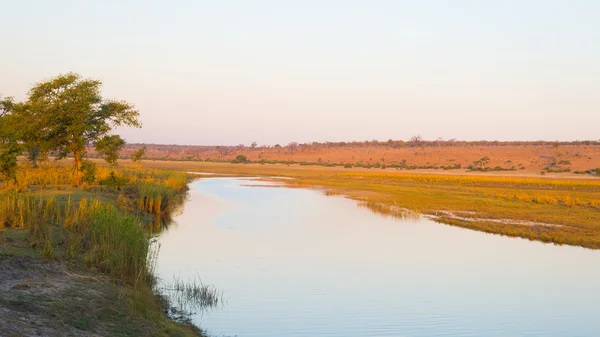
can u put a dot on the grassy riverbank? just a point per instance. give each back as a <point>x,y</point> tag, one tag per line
<point>549,209</point>
<point>74,260</point>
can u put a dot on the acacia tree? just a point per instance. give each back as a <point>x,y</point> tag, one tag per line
<point>75,115</point>
<point>482,163</point>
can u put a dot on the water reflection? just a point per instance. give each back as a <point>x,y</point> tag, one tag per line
<point>294,262</point>
<point>390,211</point>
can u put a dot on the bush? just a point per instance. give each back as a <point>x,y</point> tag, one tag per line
<point>88,168</point>
<point>113,180</point>
<point>240,159</point>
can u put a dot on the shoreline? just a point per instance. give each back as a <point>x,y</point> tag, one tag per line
<point>75,260</point>
<point>518,206</point>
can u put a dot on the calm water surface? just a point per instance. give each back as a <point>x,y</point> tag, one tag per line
<point>294,262</point>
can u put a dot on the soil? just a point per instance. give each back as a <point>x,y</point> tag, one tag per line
<point>45,299</point>
<point>49,298</point>
<point>528,158</point>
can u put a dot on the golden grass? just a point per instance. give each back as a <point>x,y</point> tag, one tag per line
<point>98,224</point>
<point>573,205</point>
<point>98,221</point>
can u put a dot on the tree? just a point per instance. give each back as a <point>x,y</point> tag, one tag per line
<point>110,146</point>
<point>9,147</point>
<point>6,106</point>
<point>75,115</point>
<point>482,163</point>
<point>253,145</point>
<point>293,146</point>
<point>8,160</point>
<point>415,141</point>
<point>33,136</point>
<point>138,155</point>
<point>240,159</point>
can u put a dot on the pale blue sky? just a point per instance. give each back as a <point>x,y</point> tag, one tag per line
<point>229,72</point>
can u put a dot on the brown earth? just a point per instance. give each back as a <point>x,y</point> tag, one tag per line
<point>50,298</point>
<point>524,158</point>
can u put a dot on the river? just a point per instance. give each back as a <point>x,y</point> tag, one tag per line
<point>295,262</point>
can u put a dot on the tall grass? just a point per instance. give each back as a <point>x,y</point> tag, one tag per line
<point>113,242</point>
<point>154,198</point>
<point>106,236</point>
<point>137,191</point>
<point>52,175</point>
<point>101,235</point>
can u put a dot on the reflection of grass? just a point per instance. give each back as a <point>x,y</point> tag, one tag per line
<point>572,203</point>
<point>190,297</point>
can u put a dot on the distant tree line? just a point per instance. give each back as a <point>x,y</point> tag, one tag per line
<point>192,152</point>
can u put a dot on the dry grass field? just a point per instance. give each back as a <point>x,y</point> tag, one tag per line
<point>529,158</point>
<point>549,208</point>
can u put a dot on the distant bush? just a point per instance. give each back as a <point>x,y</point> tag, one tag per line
<point>240,159</point>
<point>492,169</point>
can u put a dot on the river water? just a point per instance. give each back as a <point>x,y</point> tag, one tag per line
<point>295,262</point>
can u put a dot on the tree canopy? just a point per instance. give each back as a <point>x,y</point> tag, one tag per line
<point>64,115</point>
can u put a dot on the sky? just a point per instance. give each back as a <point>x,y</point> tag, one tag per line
<point>234,72</point>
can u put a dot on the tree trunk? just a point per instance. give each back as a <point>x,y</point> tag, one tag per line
<point>77,158</point>
<point>34,153</point>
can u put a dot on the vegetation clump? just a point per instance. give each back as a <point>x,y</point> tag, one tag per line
<point>83,215</point>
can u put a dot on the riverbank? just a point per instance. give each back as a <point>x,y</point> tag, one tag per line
<point>74,260</point>
<point>42,298</point>
<point>554,208</point>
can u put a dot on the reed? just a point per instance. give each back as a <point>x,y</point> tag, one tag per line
<point>107,236</point>
<point>191,296</point>
<point>103,236</point>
